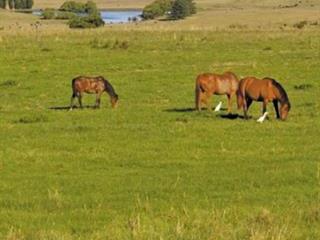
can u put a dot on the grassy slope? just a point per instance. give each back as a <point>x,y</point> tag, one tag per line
<point>152,168</point>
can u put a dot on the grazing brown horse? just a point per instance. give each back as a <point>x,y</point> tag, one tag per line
<point>263,90</point>
<point>208,84</point>
<point>92,85</point>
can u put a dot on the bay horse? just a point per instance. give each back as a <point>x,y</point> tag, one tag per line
<point>208,84</point>
<point>92,85</point>
<point>263,90</point>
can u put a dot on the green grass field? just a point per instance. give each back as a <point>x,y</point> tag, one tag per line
<point>153,168</point>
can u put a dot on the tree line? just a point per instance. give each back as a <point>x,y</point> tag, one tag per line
<point>16,4</point>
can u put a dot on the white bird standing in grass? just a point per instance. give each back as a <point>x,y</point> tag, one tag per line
<point>262,118</point>
<point>218,107</point>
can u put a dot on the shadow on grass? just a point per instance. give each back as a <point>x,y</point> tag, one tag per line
<point>230,116</point>
<point>180,110</point>
<point>68,107</point>
<point>188,110</point>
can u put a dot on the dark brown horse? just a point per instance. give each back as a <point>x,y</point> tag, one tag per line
<point>92,85</point>
<point>208,84</point>
<point>263,90</point>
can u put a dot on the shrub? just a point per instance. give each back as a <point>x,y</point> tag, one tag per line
<point>11,4</point>
<point>91,21</point>
<point>300,25</point>
<point>29,4</point>
<point>17,4</point>
<point>95,20</point>
<point>88,14</point>
<point>64,15</point>
<point>32,119</point>
<point>303,86</point>
<point>182,9</point>
<point>72,6</point>
<point>78,7</point>
<point>78,22</point>
<point>9,83</point>
<point>3,3</point>
<point>156,9</point>
<point>48,13</point>
<point>91,8</point>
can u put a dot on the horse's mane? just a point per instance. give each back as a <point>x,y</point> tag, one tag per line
<point>109,88</point>
<point>283,94</point>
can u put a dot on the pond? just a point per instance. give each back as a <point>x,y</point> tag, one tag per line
<point>113,16</point>
<point>120,16</point>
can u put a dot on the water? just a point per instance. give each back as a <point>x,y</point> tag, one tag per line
<point>120,16</point>
<point>112,16</point>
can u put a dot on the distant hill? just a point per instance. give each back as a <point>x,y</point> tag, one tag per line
<point>269,3</point>
<point>201,3</point>
<point>100,3</point>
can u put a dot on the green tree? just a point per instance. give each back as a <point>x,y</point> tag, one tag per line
<point>90,21</point>
<point>182,8</point>
<point>72,6</point>
<point>48,13</point>
<point>156,9</point>
<point>29,4</point>
<point>11,4</point>
<point>18,4</point>
<point>91,8</point>
<point>3,4</point>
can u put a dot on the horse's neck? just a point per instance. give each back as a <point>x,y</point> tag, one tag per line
<point>281,96</point>
<point>109,89</point>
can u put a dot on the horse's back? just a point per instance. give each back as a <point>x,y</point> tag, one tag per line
<point>218,83</point>
<point>257,89</point>
<point>88,84</point>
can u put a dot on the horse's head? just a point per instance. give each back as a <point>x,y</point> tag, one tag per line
<point>284,110</point>
<point>114,100</point>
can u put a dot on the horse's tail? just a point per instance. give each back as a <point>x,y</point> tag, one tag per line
<point>73,84</point>
<point>197,94</point>
<point>241,94</point>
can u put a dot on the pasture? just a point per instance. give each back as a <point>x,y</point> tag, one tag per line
<point>154,168</point>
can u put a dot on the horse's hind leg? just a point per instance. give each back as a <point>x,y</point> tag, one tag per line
<point>72,100</point>
<point>246,104</point>
<point>249,102</point>
<point>276,108</point>
<point>80,99</point>
<point>208,100</point>
<point>202,100</point>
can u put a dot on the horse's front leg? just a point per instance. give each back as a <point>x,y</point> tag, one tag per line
<point>276,108</point>
<point>229,96</point>
<point>98,100</point>
<point>208,101</point>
